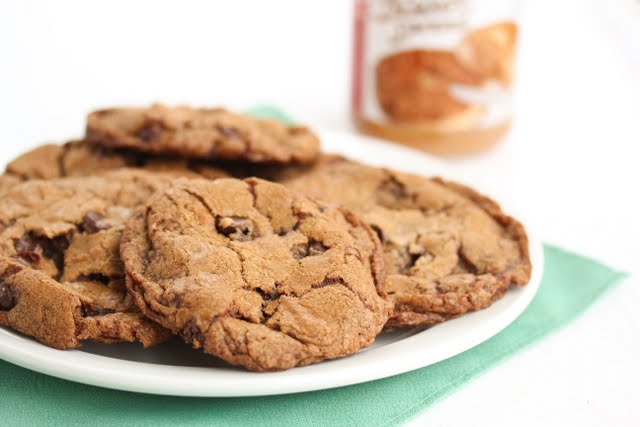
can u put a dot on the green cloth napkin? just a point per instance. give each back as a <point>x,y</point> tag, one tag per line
<point>269,112</point>
<point>570,284</point>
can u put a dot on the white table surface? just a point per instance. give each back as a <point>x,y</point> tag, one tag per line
<point>571,158</point>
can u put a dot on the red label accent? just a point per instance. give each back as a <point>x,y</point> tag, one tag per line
<point>360,11</point>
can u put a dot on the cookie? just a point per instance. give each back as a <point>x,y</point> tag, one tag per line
<point>43,162</point>
<point>62,280</point>
<point>59,316</point>
<point>448,250</point>
<point>80,158</point>
<point>202,133</point>
<point>255,274</point>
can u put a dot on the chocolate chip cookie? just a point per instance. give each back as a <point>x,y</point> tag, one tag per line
<point>448,250</point>
<point>60,316</point>
<point>61,277</point>
<point>80,158</point>
<point>255,274</point>
<point>202,133</point>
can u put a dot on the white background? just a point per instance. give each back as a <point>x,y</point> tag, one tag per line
<point>571,159</point>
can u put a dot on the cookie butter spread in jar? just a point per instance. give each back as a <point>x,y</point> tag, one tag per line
<point>434,74</point>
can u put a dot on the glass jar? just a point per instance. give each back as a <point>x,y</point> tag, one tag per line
<point>434,74</point>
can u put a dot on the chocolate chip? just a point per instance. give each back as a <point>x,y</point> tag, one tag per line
<point>31,247</point>
<point>236,228</point>
<point>311,248</point>
<point>227,131</point>
<point>267,296</point>
<point>54,248</point>
<point>26,248</point>
<point>316,248</point>
<point>25,244</point>
<point>283,231</point>
<point>412,259</point>
<point>299,250</point>
<point>93,222</point>
<point>303,215</point>
<point>91,310</point>
<point>410,255</point>
<point>95,277</point>
<point>268,308</point>
<point>273,297</point>
<point>192,334</point>
<point>393,187</point>
<point>378,231</point>
<point>328,281</point>
<point>7,300</point>
<point>150,131</point>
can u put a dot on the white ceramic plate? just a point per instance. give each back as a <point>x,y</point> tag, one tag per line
<point>175,369</point>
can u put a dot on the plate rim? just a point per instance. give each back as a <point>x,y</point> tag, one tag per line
<point>141,377</point>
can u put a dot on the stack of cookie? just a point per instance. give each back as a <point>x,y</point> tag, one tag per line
<point>237,235</point>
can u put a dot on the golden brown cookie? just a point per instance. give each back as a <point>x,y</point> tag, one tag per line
<point>448,250</point>
<point>255,274</point>
<point>34,304</point>
<point>202,133</point>
<point>80,158</point>
<point>62,280</point>
<point>43,162</point>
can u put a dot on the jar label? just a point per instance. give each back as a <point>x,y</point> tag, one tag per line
<point>445,64</point>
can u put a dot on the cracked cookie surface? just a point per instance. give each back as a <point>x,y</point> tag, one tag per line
<point>255,274</point>
<point>448,250</point>
<point>80,158</point>
<point>202,133</point>
<point>61,277</point>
